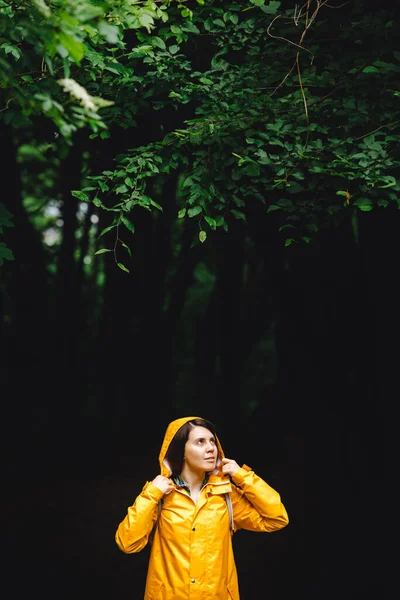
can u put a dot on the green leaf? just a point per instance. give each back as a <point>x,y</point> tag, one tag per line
<point>221,222</point>
<point>285,202</point>
<point>127,223</point>
<point>106,230</point>
<point>5,253</point>
<point>80,195</point>
<point>157,41</point>
<point>194,210</point>
<point>97,202</point>
<point>103,251</point>
<point>385,65</point>
<point>103,186</point>
<point>73,47</point>
<point>212,223</point>
<point>181,213</point>
<point>126,247</point>
<point>109,32</point>
<point>272,8</point>
<point>206,81</point>
<point>238,214</point>
<point>123,268</point>
<point>382,202</point>
<point>370,69</point>
<point>202,236</point>
<point>156,205</point>
<point>146,21</point>
<point>390,181</point>
<point>5,218</point>
<point>364,204</point>
<point>191,27</point>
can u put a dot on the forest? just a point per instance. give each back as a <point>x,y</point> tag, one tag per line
<point>199,215</point>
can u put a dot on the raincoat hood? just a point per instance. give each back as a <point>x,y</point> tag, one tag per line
<point>172,429</point>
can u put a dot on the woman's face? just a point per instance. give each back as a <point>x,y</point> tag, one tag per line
<point>201,450</point>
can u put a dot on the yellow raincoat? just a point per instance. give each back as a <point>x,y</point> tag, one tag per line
<point>191,555</point>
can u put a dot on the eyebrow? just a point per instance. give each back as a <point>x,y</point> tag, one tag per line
<point>202,437</point>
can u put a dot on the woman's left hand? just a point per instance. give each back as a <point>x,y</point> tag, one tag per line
<point>229,466</point>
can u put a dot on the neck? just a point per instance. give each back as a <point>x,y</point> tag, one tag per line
<point>192,478</point>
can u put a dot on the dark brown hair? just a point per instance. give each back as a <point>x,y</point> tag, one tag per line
<point>176,448</point>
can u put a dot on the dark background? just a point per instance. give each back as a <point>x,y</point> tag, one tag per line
<point>316,435</point>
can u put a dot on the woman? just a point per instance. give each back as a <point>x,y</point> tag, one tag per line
<point>191,555</point>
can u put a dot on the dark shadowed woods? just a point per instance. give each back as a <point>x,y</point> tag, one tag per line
<point>317,435</point>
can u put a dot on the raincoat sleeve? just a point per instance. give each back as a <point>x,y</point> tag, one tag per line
<point>256,505</point>
<point>133,532</point>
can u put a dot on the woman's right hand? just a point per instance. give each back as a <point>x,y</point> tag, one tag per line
<point>164,484</point>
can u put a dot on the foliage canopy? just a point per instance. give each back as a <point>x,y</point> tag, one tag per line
<point>264,105</point>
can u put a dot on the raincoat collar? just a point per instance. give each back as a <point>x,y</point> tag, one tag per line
<point>179,481</point>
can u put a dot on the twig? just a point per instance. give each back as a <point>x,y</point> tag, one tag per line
<point>284,79</point>
<point>375,130</point>
<point>278,37</point>
<point>304,101</point>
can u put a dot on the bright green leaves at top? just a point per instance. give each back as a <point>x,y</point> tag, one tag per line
<point>43,41</point>
<point>109,32</point>
<point>69,46</point>
<point>264,130</point>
